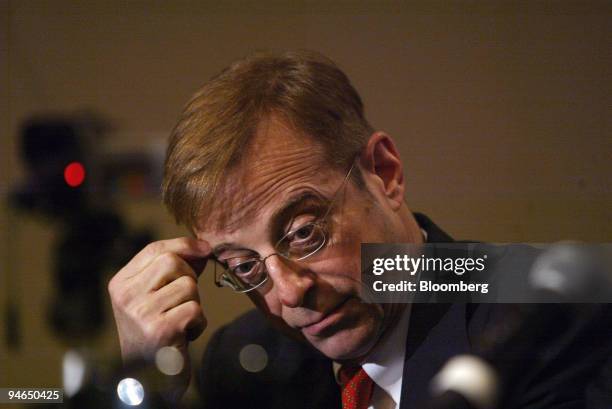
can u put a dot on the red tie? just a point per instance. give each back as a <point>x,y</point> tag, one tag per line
<point>357,387</point>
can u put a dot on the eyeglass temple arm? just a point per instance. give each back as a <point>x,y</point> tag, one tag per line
<point>346,178</point>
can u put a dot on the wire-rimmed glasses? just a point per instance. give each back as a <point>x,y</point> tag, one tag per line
<point>246,273</point>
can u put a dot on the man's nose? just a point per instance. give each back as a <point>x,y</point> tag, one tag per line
<point>292,282</point>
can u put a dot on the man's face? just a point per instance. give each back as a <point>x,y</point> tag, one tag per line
<point>282,183</point>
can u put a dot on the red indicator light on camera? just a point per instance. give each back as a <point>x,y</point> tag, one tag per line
<point>74,174</point>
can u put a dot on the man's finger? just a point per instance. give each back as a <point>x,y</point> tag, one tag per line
<point>181,290</point>
<point>186,247</point>
<point>166,268</point>
<point>189,317</point>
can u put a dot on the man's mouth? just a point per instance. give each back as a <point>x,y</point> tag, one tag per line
<point>328,319</point>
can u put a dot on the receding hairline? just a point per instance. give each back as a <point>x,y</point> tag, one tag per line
<point>309,90</point>
<point>240,174</point>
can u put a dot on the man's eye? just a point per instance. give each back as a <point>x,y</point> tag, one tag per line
<point>302,242</point>
<point>244,268</point>
<point>304,232</point>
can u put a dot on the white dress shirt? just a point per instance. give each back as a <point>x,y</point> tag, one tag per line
<point>385,366</point>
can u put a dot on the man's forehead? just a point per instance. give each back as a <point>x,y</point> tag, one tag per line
<point>278,163</point>
<point>276,140</point>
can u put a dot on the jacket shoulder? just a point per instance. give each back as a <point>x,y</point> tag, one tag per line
<point>250,364</point>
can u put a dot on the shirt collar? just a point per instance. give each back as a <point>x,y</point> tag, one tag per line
<point>385,365</point>
<point>424,235</point>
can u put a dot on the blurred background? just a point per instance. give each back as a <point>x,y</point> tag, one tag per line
<point>502,112</point>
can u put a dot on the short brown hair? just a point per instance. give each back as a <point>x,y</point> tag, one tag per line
<point>304,88</point>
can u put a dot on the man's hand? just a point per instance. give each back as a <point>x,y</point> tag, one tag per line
<point>155,297</point>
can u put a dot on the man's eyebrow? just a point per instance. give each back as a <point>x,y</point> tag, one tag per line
<point>304,201</point>
<point>308,200</point>
<point>227,246</point>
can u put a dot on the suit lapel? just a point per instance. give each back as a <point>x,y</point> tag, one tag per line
<point>436,332</point>
<point>434,233</point>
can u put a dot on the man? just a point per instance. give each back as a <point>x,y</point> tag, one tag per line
<point>279,177</point>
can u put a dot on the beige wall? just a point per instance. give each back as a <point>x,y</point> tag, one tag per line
<point>502,113</point>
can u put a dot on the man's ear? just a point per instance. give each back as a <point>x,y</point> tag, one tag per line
<point>381,160</point>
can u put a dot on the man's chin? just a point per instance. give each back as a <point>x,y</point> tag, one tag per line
<point>345,345</point>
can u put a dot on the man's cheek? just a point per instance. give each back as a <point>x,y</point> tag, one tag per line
<point>268,303</point>
<point>350,270</point>
<point>342,280</point>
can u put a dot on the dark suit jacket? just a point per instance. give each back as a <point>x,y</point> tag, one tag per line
<point>575,372</point>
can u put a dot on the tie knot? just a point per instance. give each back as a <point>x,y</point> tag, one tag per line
<point>348,372</point>
<point>357,387</point>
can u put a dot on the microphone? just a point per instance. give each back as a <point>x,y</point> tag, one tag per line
<point>562,275</point>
